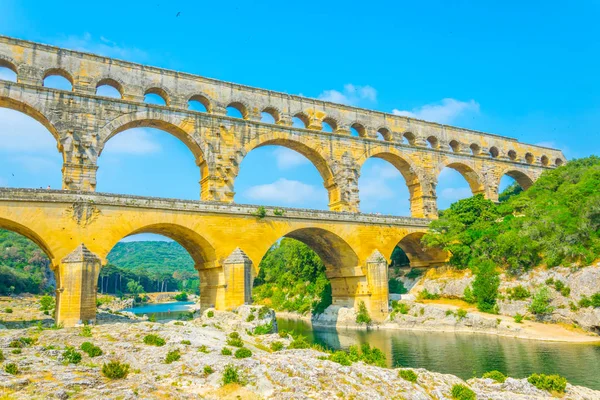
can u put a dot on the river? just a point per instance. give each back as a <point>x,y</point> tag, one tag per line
<point>163,311</point>
<point>465,354</point>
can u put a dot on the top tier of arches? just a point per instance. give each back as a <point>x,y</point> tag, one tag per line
<point>88,73</point>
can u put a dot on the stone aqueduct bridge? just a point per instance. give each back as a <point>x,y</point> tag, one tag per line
<point>77,228</point>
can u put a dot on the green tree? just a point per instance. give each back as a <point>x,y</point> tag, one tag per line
<point>134,288</point>
<point>485,286</point>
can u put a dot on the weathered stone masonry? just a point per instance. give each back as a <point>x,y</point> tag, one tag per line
<point>77,227</point>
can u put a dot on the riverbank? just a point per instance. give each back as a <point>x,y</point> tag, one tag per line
<point>45,369</point>
<point>438,316</point>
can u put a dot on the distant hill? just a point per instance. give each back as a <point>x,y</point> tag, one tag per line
<point>154,256</point>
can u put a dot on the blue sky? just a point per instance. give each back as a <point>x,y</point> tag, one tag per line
<point>523,69</point>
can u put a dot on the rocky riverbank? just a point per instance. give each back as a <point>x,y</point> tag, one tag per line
<point>569,289</point>
<point>45,370</point>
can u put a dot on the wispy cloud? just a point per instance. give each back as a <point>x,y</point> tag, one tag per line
<point>36,163</point>
<point>283,191</point>
<point>136,141</point>
<point>380,185</point>
<point>444,112</point>
<point>287,158</point>
<point>102,46</point>
<point>352,95</point>
<point>454,194</point>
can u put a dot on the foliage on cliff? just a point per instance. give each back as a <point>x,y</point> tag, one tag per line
<point>292,278</point>
<point>555,222</point>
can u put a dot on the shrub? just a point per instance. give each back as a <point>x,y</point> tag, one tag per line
<point>449,313</point>
<point>86,331</point>
<point>340,357</point>
<point>540,305</point>
<point>172,356</point>
<point>485,286</point>
<point>235,342</point>
<point>372,355</point>
<point>183,296</point>
<point>91,350</point>
<point>47,303</point>
<point>250,318</point>
<point>186,342</point>
<point>396,286</point>
<point>551,383</point>
<point>243,353</point>
<point>276,346</point>
<point>263,312</point>
<point>152,318</point>
<point>518,318</point>
<point>408,375</point>
<point>16,351</point>
<point>225,351</point>
<point>299,342</point>
<point>426,295</point>
<point>71,356</point>
<point>115,370</point>
<point>11,368</point>
<point>260,212</point>
<point>462,392</point>
<point>518,293</point>
<point>468,295</point>
<point>154,340</point>
<point>263,329</point>
<point>8,310</point>
<point>208,370</point>
<point>461,313</point>
<point>231,375</point>
<point>495,375</point>
<point>401,308</point>
<point>204,349</point>
<point>210,314</point>
<point>1,356</point>
<point>362,317</point>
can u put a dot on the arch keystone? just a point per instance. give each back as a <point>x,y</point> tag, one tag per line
<point>77,277</point>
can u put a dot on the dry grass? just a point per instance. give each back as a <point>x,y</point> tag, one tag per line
<point>446,272</point>
<point>451,302</point>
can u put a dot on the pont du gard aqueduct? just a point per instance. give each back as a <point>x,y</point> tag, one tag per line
<point>77,227</point>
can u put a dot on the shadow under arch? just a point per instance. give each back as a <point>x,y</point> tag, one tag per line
<point>29,234</point>
<point>313,155</point>
<point>7,102</point>
<point>408,172</point>
<point>471,176</point>
<point>418,254</point>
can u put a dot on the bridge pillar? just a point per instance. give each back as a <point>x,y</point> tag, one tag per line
<point>238,279</point>
<point>228,286</point>
<point>377,279</point>
<point>79,176</point>
<point>423,207</point>
<point>76,282</point>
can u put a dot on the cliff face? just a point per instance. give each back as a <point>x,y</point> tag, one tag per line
<point>567,288</point>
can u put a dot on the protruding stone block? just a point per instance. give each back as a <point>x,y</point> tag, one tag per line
<point>77,280</point>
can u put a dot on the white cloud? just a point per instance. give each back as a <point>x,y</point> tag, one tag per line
<point>287,158</point>
<point>20,133</point>
<point>135,141</point>
<point>37,163</point>
<point>547,144</point>
<point>283,191</point>
<point>351,95</point>
<point>445,112</point>
<point>102,46</point>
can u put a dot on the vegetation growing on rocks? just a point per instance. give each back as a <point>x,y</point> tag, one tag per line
<point>408,375</point>
<point>115,370</point>
<point>462,392</point>
<point>551,383</point>
<point>495,375</point>
<point>154,340</point>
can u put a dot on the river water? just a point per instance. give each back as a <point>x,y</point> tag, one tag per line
<point>465,354</point>
<point>163,311</point>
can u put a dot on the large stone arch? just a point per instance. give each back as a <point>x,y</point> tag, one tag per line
<point>30,234</point>
<point>199,248</point>
<point>473,178</point>
<point>522,177</point>
<point>183,129</point>
<point>409,172</point>
<point>418,254</point>
<point>307,149</point>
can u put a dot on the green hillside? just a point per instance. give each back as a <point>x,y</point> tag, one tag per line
<point>154,256</point>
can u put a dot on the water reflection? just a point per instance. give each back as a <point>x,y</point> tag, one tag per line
<point>466,355</point>
<point>163,311</point>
